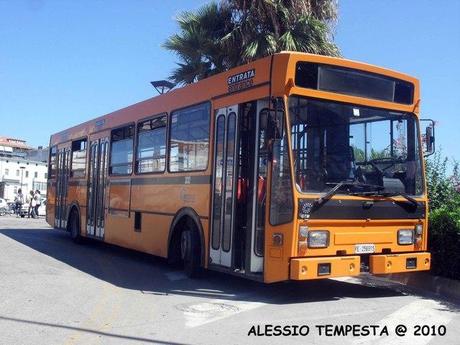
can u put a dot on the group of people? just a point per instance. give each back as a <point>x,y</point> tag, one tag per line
<point>33,200</point>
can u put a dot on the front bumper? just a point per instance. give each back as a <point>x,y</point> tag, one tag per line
<point>341,266</point>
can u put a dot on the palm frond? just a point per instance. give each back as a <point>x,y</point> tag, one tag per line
<point>219,36</point>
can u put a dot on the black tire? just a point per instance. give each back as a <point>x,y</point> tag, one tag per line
<point>74,227</point>
<point>191,252</point>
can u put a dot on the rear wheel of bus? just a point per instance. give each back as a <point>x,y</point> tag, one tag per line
<point>190,251</point>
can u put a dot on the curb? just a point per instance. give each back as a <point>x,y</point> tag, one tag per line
<point>443,287</point>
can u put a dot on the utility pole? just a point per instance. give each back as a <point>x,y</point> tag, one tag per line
<point>22,174</point>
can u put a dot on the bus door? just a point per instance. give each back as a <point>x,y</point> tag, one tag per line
<point>224,185</point>
<point>256,200</point>
<point>62,182</point>
<point>97,183</point>
<point>239,188</point>
<point>252,189</point>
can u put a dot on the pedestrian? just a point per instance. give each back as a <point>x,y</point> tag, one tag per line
<point>38,201</point>
<point>29,199</point>
<point>18,202</point>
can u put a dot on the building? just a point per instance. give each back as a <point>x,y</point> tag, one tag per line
<point>39,154</point>
<point>17,170</point>
<point>18,173</point>
<point>12,146</point>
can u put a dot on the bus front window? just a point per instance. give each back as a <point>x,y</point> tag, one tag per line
<point>335,142</point>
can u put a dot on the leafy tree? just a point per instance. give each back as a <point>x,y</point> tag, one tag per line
<point>441,190</point>
<point>444,227</point>
<point>456,176</point>
<point>359,154</point>
<point>223,35</point>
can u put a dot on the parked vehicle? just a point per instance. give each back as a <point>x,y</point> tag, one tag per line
<point>24,210</point>
<point>42,209</point>
<point>3,207</point>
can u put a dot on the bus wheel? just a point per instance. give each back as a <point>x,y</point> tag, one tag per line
<point>74,227</point>
<point>190,252</point>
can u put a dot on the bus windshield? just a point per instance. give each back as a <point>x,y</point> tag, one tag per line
<point>336,143</point>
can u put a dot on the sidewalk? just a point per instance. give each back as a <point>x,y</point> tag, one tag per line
<point>443,287</point>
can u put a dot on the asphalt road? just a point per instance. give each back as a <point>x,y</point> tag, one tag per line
<point>53,291</point>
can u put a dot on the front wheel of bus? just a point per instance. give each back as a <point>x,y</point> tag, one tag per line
<point>190,252</point>
<point>74,224</point>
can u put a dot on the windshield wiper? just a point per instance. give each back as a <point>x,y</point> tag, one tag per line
<point>388,194</point>
<point>322,199</point>
<point>404,195</point>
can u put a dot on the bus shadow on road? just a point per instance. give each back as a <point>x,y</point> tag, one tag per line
<point>152,275</point>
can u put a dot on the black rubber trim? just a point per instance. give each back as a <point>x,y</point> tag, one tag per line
<point>170,180</point>
<point>366,209</point>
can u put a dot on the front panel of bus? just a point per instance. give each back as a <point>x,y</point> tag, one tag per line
<point>347,180</point>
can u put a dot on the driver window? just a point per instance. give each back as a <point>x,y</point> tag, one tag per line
<point>378,140</point>
<point>357,141</point>
<point>399,139</point>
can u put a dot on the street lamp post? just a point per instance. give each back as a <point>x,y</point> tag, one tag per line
<point>22,174</point>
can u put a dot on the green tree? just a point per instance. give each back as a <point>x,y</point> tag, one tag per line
<point>223,35</point>
<point>444,228</point>
<point>441,189</point>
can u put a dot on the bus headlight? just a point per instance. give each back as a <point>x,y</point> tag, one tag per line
<point>405,237</point>
<point>318,239</point>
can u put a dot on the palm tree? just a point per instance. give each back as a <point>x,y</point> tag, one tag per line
<point>198,44</point>
<point>221,36</point>
<point>264,27</point>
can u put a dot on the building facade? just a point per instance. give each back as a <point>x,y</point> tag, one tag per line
<point>17,170</point>
<point>18,173</point>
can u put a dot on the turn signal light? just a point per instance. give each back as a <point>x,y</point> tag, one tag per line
<point>277,239</point>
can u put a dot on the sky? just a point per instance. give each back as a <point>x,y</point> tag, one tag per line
<point>63,62</point>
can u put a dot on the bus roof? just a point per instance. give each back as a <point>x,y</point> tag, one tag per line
<point>256,73</point>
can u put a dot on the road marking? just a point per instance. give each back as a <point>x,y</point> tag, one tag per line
<point>199,314</point>
<point>419,312</point>
<point>105,312</point>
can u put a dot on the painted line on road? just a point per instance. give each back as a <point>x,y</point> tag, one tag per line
<point>419,312</point>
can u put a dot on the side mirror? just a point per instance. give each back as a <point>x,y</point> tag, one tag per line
<point>429,137</point>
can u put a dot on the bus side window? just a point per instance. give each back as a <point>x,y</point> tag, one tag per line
<point>151,145</point>
<point>52,160</point>
<point>189,139</point>
<point>121,154</point>
<point>78,166</point>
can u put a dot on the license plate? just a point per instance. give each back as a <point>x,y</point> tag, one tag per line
<point>364,248</point>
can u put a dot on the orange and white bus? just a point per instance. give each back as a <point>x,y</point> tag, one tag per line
<point>295,166</point>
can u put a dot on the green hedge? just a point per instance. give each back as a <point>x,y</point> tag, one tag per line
<point>444,242</point>
<point>444,230</point>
